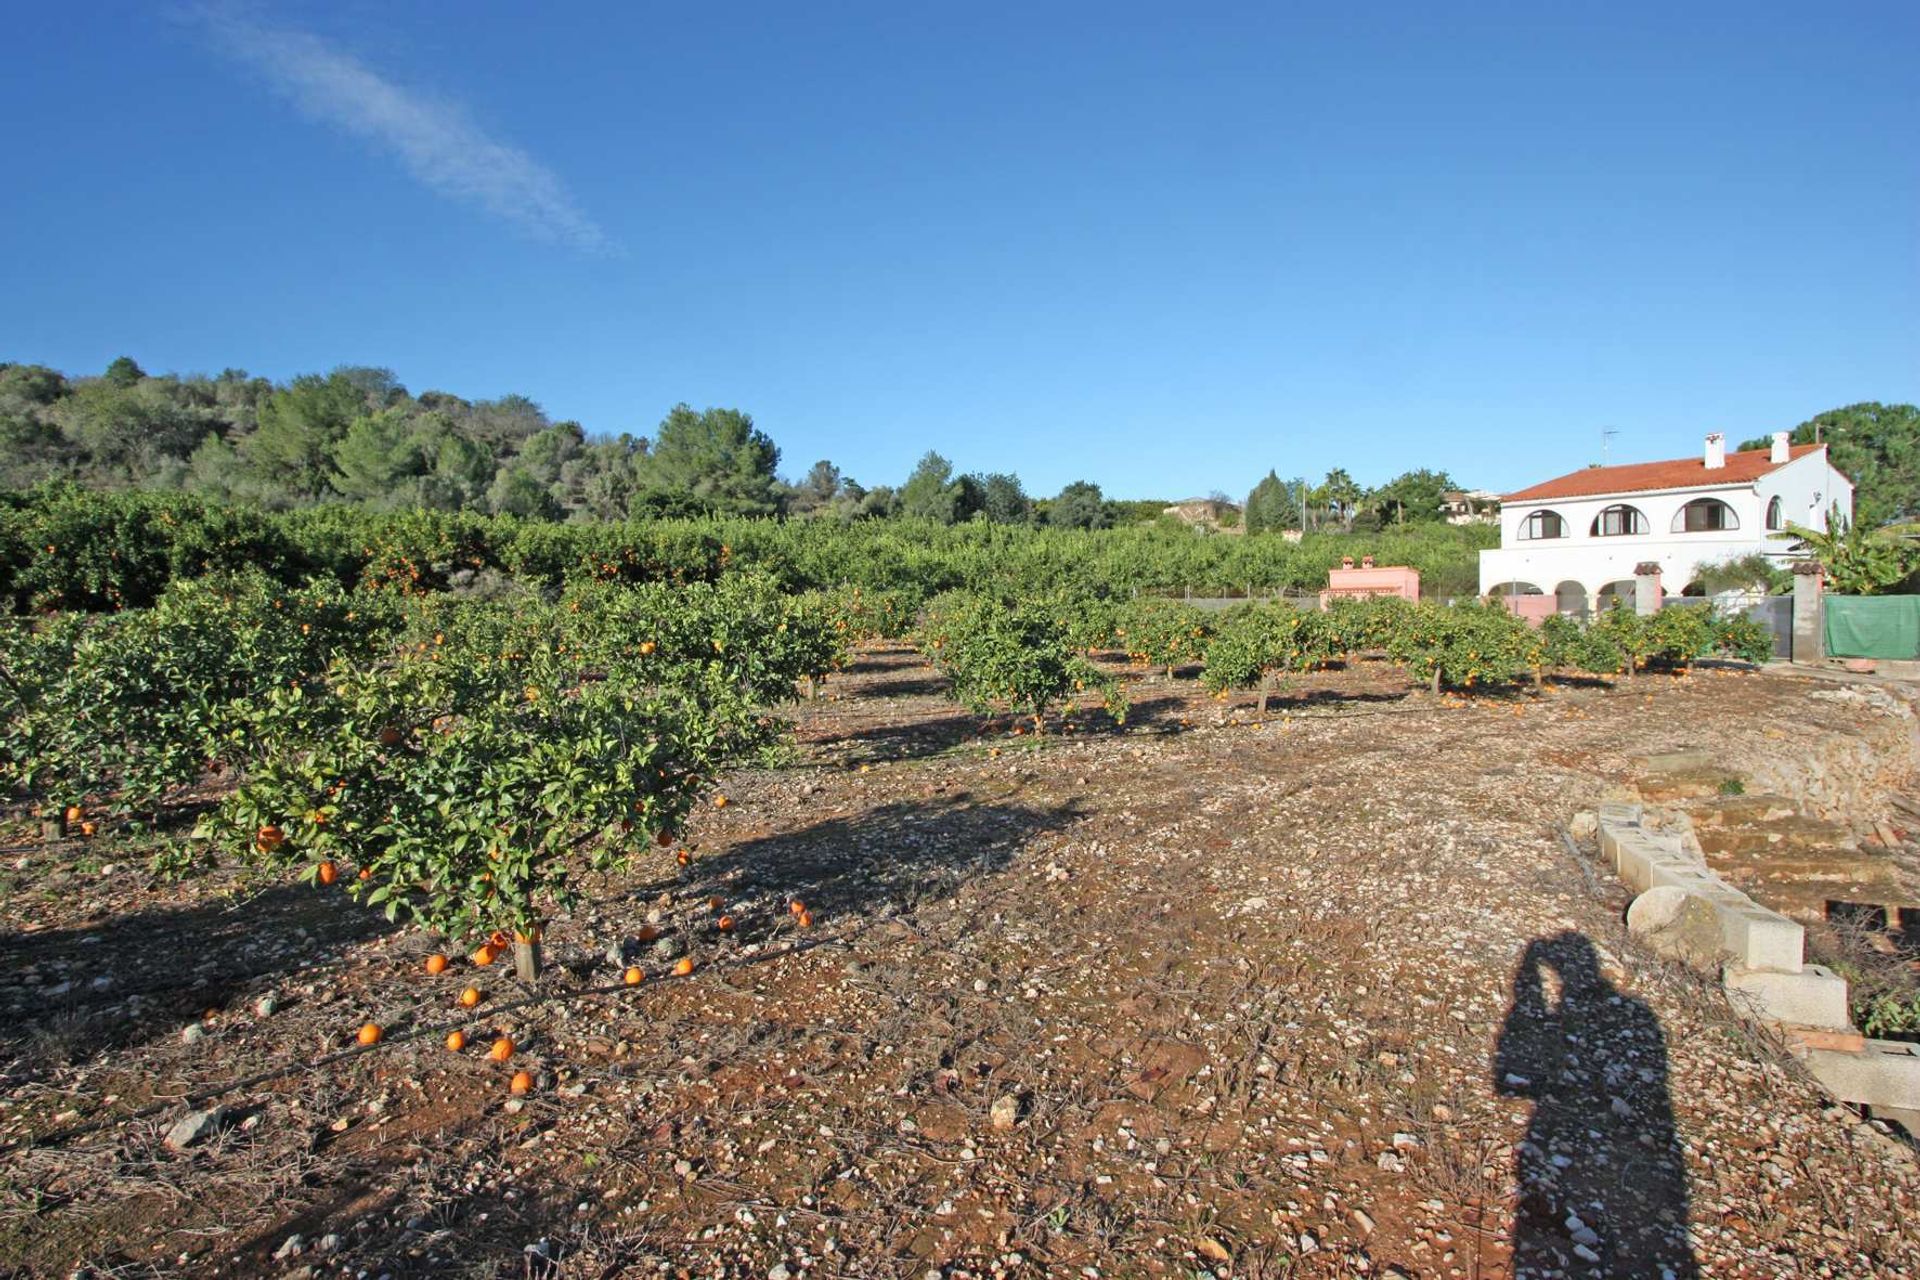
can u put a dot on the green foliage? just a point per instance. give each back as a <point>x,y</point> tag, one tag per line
<point>1753,572</point>
<point>66,549</point>
<point>1676,636</point>
<point>1014,656</point>
<point>1737,635</point>
<point>1367,625</point>
<point>1411,497</point>
<point>1889,1014</point>
<point>128,708</point>
<point>931,492</point>
<point>1465,646</point>
<point>1858,560</point>
<point>468,794</point>
<point>1274,504</point>
<point>1567,645</point>
<point>1079,506</point>
<point>1166,633</point>
<point>718,457</point>
<point>1254,645</point>
<point>1877,446</point>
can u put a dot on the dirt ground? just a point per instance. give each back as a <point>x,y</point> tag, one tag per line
<point>1327,994</point>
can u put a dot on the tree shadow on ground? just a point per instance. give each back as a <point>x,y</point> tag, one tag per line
<point>926,686</point>
<point>1602,1185</point>
<point>1312,699</point>
<point>179,961</point>
<point>890,858</point>
<point>911,740</point>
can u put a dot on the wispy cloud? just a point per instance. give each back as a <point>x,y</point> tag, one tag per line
<point>435,140</point>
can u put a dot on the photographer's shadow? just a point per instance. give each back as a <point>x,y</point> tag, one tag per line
<point>1601,1179</point>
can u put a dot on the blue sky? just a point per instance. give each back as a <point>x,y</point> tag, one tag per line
<point>1160,247</point>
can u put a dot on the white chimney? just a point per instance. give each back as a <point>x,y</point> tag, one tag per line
<point>1781,452</point>
<point>1716,451</point>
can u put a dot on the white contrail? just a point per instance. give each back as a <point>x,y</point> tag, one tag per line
<point>435,140</point>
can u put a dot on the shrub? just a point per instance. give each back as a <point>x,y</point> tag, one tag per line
<point>1165,633</point>
<point>1018,657</point>
<point>1465,646</point>
<point>467,794</point>
<point>1254,645</point>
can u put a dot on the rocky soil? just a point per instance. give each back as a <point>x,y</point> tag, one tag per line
<point>1326,994</point>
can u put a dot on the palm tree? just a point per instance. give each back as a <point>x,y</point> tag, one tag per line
<point>1857,561</point>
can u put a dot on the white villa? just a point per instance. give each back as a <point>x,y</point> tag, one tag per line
<point>1580,537</point>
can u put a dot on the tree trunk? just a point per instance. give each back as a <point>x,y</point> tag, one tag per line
<point>53,826</point>
<point>526,960</point>
<point>1436,678</point>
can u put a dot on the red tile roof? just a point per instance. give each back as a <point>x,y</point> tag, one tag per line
<point>1743,467</point>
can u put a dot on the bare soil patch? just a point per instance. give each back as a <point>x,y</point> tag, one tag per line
<point>1197,994</point>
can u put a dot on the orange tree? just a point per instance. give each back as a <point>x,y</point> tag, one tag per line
<point>741,633</point>
<point>1166,633</point>
<point>466,779</point>
<point>124,709</point>
<point>1014,656</point>
<point>1680,635</point>
<point>1253,646</point>
<point>1465,646</point>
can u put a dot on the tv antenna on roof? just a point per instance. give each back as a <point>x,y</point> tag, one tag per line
<point>1606,444</point>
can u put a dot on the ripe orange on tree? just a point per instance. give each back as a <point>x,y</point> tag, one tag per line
<point>328,873</point>
<point>269,838</point>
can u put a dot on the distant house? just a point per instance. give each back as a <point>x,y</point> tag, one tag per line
<point>1206,513</point>
<point>1581,536</point>
<point>1470,506</point>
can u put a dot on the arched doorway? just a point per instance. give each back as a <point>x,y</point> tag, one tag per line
<point>1571,598</point>
<point>1620,591</point>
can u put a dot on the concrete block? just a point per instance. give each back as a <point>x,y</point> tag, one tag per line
<point>1886,1075</point>
<point>1617,813</point>
<point>1814,997</point>
<point>1639,858</point>
<point>1761,939</point>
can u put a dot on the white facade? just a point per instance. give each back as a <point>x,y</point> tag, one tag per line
<point>1595,552</point>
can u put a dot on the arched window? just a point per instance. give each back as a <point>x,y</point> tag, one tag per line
<point>1617,521</point>
<point>1705,515</point>
<point>1775,520</point>
<point>1542,524</point>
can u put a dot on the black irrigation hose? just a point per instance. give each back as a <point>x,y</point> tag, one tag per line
<point>59,1137</point>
